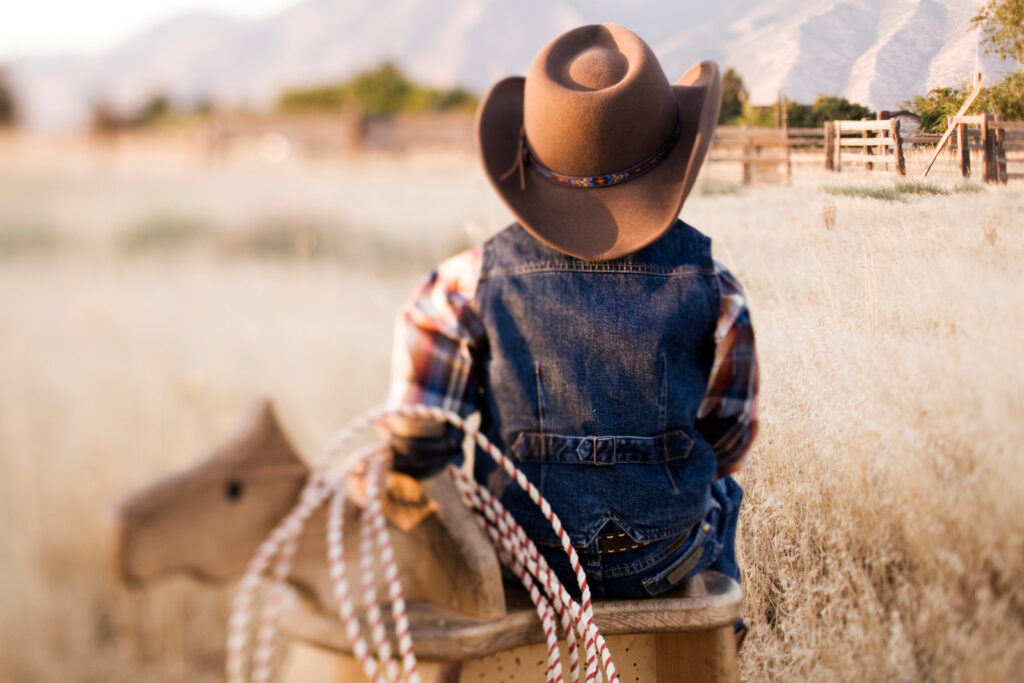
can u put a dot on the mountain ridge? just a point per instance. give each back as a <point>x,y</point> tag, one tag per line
<point>876,52</point>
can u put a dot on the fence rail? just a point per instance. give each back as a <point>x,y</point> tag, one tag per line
<point>922,139</point>
<point>766,154</point>
<point>995,140</point>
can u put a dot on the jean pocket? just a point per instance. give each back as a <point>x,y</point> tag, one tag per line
<point>692,556</point>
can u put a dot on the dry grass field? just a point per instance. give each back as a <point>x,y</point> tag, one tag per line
<point>146,298</point>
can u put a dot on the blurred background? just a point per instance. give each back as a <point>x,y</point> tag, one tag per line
<point>206,202</point>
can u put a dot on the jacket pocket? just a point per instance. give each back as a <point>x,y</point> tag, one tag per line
<point>696,553</point>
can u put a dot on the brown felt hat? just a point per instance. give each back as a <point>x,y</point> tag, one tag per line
<point>595,151</point>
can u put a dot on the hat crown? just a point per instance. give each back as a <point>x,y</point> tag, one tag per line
<point>597,68</point>
<point>596,101</point>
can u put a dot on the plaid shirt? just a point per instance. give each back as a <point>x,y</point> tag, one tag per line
<point>438,333</point>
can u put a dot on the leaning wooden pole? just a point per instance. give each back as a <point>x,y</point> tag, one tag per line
<point>949,129</point>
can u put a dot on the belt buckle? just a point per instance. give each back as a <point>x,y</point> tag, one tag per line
<point>598,439</point>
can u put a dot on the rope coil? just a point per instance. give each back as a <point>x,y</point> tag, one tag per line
<point>274,558</point>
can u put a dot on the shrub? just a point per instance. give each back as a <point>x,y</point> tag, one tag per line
<point>162,233</point>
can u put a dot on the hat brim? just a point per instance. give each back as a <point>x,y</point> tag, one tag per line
<point>603,223</point>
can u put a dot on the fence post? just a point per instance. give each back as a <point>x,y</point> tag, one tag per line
<point>985,141</point>
<point>897,143</point>
<point>830,152</point>
<point>785,141</point>
<point>837,131</point>
<point>867,150</point>
<point>963,146</point>
<point>748,154</point>
<point>999,155</point>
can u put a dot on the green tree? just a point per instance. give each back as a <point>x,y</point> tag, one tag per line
<point>157,107</point>
<point>829,108</point>
<point>934,107</point>
<point>8,105</point>
<point>824,108</point>
<point>323,97</point>
<point>456,98</point>
<point>756,116</point>
<point>733,96</point>
<point>1005,97</point>
<point>800,116</point>
<point>1002,23</point>
<point>380,92</point>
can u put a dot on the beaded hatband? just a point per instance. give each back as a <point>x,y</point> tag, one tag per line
<point>608,179</point>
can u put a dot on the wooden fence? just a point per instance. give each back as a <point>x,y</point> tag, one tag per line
<point>879,142</point>
<point>969,138</point>
<point>807,139</point>
<point>767,154</point>
<point>999,143</point>
<point>763,152</point>
<point>1009,136</point>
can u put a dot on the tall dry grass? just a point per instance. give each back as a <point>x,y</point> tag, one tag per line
<point>880,536</point>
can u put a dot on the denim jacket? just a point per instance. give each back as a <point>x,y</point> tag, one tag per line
<point>592,380</point>
<point>594,376</point>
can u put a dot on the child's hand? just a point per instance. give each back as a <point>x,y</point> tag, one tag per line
<point>424,456</point>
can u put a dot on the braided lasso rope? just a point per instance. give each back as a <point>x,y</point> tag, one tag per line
<point>273,560</point>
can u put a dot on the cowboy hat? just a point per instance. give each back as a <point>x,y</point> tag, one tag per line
<point>594,151</point>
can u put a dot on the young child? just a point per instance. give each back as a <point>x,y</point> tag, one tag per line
<point>605,350</point>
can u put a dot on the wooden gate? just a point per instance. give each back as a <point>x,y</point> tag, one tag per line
<point>880,143</point>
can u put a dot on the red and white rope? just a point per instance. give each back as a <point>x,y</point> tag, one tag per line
<point>327,482</point>
<point>367,546</point>
<point>510,553</point>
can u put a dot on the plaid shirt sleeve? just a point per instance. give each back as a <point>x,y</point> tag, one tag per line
<point>727,417</point>
<point>436,336</point>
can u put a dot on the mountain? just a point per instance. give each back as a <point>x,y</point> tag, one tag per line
<point>876,52</point>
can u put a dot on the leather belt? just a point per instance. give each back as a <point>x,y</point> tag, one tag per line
<point>618,542</point>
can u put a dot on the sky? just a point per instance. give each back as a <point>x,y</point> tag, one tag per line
<point>46,26</point>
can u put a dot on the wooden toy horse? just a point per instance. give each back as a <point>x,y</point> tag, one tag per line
<point>209,519</point>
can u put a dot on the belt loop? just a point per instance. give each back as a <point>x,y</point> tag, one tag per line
<point>604,438</point>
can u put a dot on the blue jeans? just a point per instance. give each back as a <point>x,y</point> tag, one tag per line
<point>664,564</point>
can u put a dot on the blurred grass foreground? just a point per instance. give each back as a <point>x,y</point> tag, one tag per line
<point>147,295</point>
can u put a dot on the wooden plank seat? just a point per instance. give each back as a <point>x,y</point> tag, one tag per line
<point>708,602</point>
<point>208,520</point>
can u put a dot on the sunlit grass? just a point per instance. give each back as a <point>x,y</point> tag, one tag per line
<point>18,240</point>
